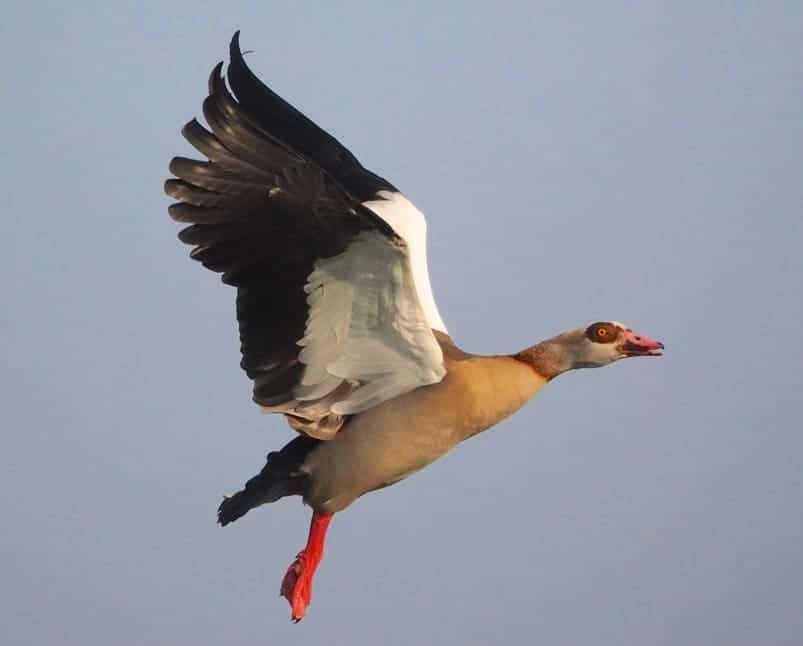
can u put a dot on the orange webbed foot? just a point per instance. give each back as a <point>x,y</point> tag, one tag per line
<point>297,582</point>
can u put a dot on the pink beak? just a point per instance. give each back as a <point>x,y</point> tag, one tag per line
<point>636,345</point>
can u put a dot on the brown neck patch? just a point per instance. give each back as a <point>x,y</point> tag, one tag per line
<point>546,359</point>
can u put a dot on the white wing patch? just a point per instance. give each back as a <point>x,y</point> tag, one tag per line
<point>409,223</point>
<point>366,328</point>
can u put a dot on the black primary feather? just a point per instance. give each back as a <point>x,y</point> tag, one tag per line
<point>275,194</point>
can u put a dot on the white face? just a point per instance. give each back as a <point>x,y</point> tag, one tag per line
<point>608,341</point>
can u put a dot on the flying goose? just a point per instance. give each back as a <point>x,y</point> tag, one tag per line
<point>338,325</point>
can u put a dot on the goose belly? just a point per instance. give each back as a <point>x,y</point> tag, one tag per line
<point>375,449</point>
<point>387,443</point>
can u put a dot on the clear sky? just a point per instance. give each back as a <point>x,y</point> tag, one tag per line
<point>640,161</point>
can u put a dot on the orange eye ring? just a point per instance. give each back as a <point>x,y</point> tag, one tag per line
<point>602,332</point>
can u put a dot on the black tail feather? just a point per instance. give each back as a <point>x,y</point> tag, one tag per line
<point>280,477</point>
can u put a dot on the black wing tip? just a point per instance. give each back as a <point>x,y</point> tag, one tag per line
<point>235,53</point>
<point>189,127</point>
<point>215,77</point>
<point>172,189</point>
<point>237,65</point>
<point>234,46</point>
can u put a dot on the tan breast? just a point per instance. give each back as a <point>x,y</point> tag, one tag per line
<point>487,390</point>
<point>389,442</point>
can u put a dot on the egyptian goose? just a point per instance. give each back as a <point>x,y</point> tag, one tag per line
<point>339,329</point>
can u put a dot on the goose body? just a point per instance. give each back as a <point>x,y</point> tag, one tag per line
<point>389,442</point>
<point>339,327</point>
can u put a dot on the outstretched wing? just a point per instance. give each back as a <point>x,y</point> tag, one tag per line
<point>329,260</point>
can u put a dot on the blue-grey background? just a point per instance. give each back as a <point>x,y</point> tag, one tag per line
<point>577,161</point>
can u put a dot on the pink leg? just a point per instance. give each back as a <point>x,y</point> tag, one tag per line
<point>297,583</point>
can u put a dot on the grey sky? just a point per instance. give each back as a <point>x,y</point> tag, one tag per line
<point>636,161</point>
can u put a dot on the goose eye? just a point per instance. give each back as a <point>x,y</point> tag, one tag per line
<point>602,332</point>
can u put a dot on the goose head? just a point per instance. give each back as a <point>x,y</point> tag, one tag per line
<point>594,346</point>
<point>604,342</point>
